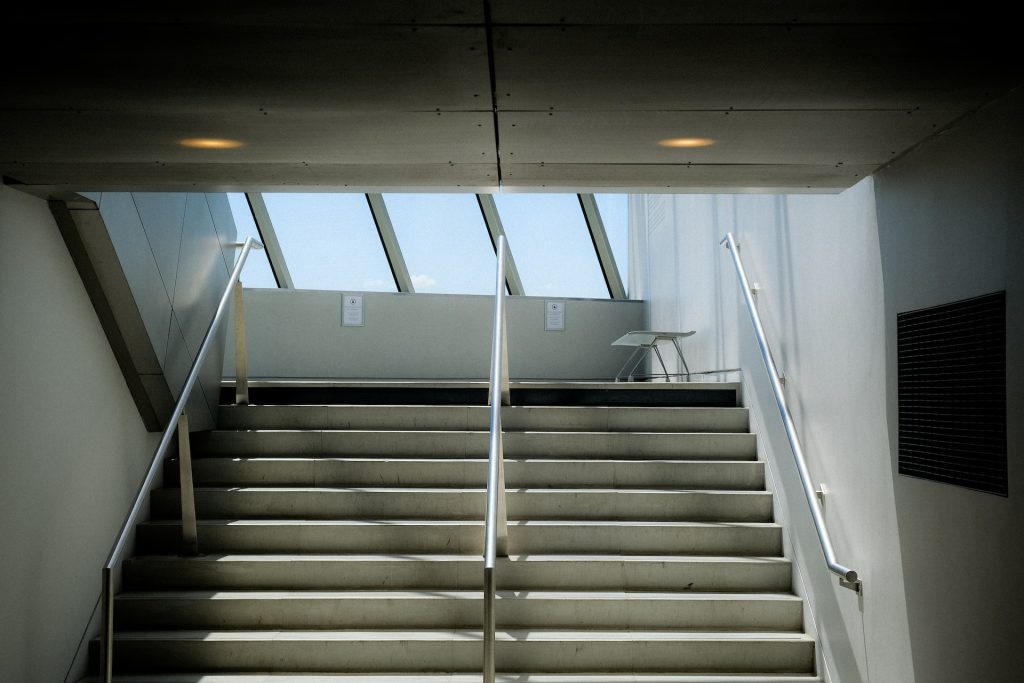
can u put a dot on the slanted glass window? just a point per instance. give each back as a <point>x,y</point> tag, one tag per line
<point>444,241</point>
<point>330,242</point>
<point>257,272</point>
<point>614,209</point>
<point>551,245</point>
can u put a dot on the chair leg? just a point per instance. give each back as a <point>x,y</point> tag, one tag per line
<point>675,342</point>
<point>618,375</point>
<point>646,350</point>
<point>660,360</point>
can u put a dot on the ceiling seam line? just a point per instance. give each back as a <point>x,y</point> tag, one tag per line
<point>489,32</point>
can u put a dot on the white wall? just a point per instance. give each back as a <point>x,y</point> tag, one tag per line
<point>298,333</point>
<point>73,448</point>
<point>816,259</point>
<point>942,598</point>
<point>951,226</point>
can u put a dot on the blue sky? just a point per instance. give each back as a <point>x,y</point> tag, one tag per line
<point>330,242</point>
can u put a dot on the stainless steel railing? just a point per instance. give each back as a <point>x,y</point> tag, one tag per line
<point>495,518</point>
<point>179,424</point>
<point>847,577</point>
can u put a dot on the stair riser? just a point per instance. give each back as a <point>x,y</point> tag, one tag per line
<point>545,539</point>
<point>464,655</point>
<point>584,445</point>
<point>459,574</point>
<point>400,613</point>
<point>736,476</point>
<point>478,418</point>
<point>384,504</point>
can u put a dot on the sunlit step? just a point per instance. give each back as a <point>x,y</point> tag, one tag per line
<point>457,609</point>
<point>463,536</point>
<point>555,651</point>
<point>519,473</point>
<point>514,418</point>
<point>454,572</point>
<point>462,444</point>
<point>448,503</point>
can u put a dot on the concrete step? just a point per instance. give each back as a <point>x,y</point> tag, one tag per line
<point>745,475</point>
<point>451,503</point>
<point>203,677</point>
<point>514,418</point>
<point>474,392</point>
<point>463,444</point>
<point>463,536</point>
<point>458,572</point>
<point>554,651</point>
<point>579,610</point>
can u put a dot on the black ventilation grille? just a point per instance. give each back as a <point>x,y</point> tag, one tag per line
<point>952,393</point>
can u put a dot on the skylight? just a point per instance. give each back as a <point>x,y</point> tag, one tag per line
<point>562,245</point>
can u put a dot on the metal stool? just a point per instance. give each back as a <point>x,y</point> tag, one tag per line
<point>644,341</point>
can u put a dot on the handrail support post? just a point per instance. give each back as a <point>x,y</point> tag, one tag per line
<point>489,625</point>
<point>107,626</point>
<point>189,530</point>
<point>241,364</point>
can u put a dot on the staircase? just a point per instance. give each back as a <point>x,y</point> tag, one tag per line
<point>342,540</point>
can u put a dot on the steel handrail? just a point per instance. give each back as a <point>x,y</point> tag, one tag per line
<point>495,517</point>
<point>107,598</point>
<point>847,577</point>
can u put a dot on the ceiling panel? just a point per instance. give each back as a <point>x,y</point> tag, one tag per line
<point>747,67</point>
<point>302,13</point>
<point>169,67</point>
<point>262,177</point>
<point>748,137</point>
<point>676,178</point>
<point>704,12</point>
<point>305,136</point>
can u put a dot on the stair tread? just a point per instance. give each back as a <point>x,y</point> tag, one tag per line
<point>454,557</point>
<point>443,634</point>
<point>459,522</point>
<point>482,458</point>
<point>575,595</point>
<point>589,490</point>
<point>470,406</point>
<point>545,433</point>
<point>460,678</point>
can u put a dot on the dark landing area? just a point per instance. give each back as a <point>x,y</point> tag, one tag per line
<point>694,395</point>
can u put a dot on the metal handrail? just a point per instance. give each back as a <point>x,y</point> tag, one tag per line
<point>847,577</point>
<point>175,424</point>
<point>495,518</point>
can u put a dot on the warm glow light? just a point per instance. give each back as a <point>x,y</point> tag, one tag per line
<point>210,143</point>
<point>686,142</point>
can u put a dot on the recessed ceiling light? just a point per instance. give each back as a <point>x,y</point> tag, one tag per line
<point>686,142</point>
<point>211,143</point>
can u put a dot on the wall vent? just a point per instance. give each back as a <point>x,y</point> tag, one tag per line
<point>951,363</point>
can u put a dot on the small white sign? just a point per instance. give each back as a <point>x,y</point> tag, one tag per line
<point>352,310</point>
<point>554,315</point>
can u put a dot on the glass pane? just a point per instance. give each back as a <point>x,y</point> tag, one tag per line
<point>614,210</point>
<point>444,241</point>
<point>330,241</point>
<point>551,245</point>
<point>256,272</point>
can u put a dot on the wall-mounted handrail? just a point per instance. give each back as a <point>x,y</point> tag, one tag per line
<point>847,577</point>
<point>495,518</point>
<point>175,424</point>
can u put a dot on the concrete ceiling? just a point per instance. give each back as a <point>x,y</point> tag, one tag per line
<point>436,94</point>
